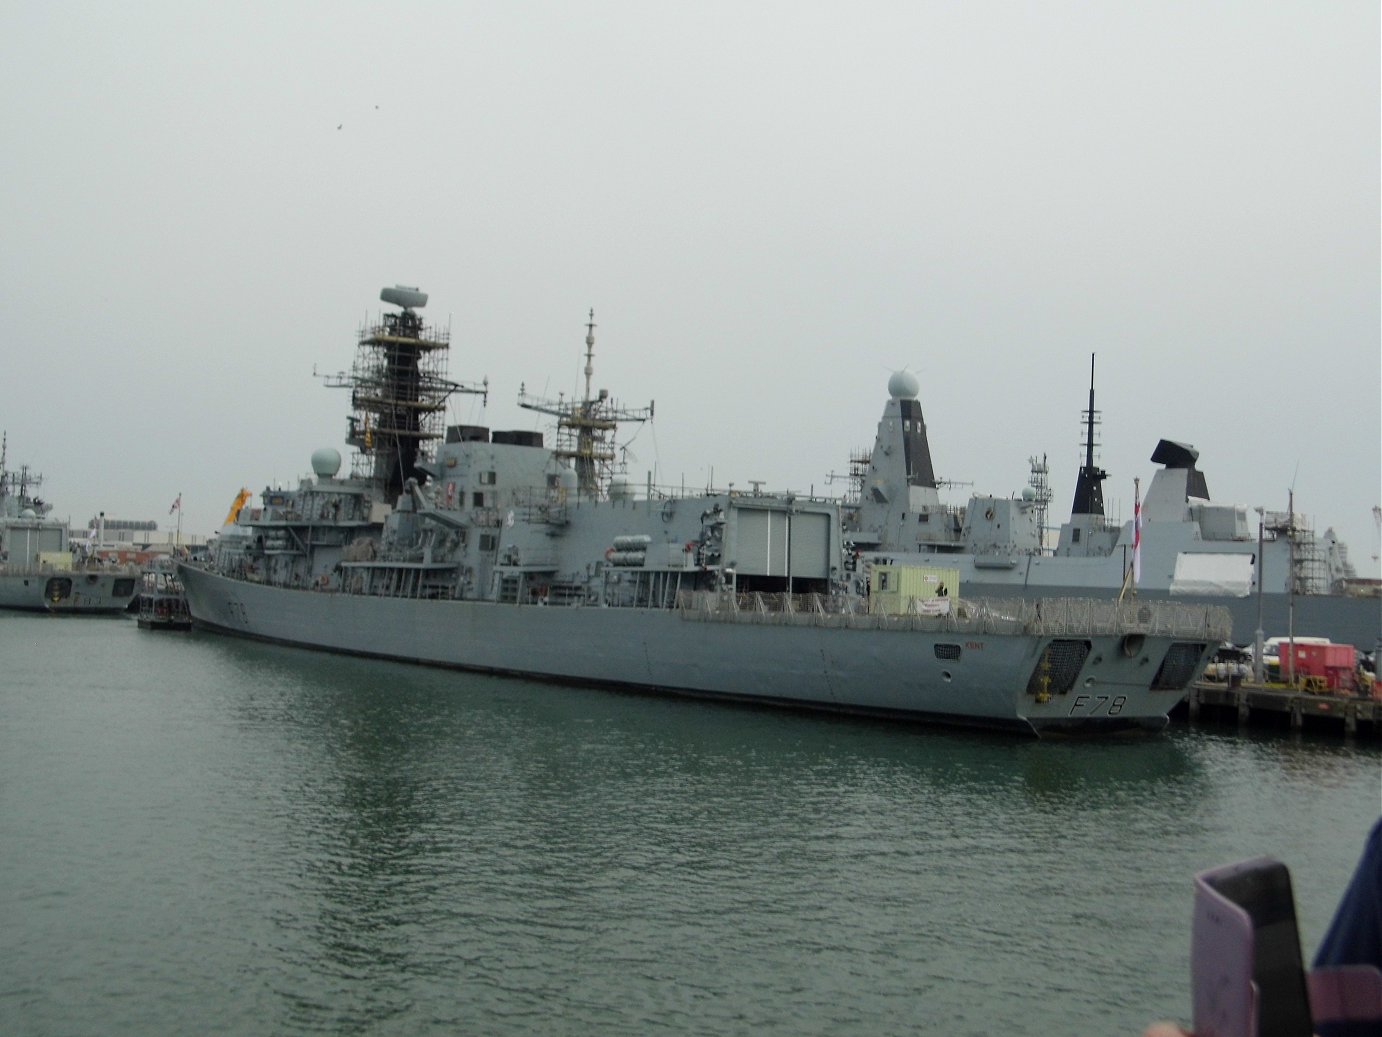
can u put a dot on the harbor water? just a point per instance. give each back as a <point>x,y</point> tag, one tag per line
<point>199,834</point>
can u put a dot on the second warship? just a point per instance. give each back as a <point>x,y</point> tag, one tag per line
<point>1275,573</point>
<point>41,568</point>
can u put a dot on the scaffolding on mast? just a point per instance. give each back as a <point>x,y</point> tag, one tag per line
<point>399,390</point>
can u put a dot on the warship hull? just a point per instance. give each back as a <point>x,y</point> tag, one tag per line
<point>68,591</point>
<point>931,670</point>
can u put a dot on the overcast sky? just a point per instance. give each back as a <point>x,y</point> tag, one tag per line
<point>770,206</point>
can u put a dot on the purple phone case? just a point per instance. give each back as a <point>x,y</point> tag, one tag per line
<point>1224,995</point>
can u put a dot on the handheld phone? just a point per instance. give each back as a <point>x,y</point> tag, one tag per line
<point>1247,977</point>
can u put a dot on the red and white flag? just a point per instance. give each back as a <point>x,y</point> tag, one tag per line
<point>177,505</point>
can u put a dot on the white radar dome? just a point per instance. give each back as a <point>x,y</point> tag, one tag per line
<point>904,385</point>
<point>620,488</point>
<point>1028,493</point>
<point>326,462</point>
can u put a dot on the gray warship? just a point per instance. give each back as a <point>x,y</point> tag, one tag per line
<point>41,568</point>
<point>1271,571</point>
<point>493,551</point>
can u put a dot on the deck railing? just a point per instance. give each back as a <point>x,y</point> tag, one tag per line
<point>1048,616</point>
<point>112,569</point>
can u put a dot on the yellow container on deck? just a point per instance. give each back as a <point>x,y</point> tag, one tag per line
<point>894,588</point>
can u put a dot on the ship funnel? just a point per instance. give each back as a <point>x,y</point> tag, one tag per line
<point>401,295</point>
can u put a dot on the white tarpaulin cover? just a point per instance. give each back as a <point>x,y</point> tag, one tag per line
<point>1198,573</point>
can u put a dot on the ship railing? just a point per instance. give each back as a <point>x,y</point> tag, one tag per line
<point>663,492</point>
<point>1043,616</point>
<point>76,569</point>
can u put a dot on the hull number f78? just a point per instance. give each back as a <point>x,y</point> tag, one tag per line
<point>1093,705</point>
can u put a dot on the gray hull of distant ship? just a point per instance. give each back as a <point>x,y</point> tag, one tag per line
<point>90,592</point>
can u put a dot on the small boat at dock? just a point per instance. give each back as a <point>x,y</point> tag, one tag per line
<point>162,602</point>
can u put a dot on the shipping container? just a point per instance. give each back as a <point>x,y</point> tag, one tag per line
<point>895,589</point>
<point>1335,664</point>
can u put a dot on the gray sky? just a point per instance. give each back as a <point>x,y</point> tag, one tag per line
<point>770,206</point>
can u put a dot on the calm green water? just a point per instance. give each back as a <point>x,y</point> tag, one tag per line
<point>199,834</point>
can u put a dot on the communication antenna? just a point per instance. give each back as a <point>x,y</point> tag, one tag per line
<point>1089,492</point>
<point>585,429</point>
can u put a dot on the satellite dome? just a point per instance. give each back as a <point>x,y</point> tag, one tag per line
<point>1028,493</point>
<point>620,488</point>
<point>904,385</point>
<point>28,513</point>
<point>326,462</point>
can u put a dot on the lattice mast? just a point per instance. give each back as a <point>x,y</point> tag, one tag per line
<point>399,391</point>
<point>1039,482</point>
<point>15,486</point>
<point>585,430</point>
<point>854,479</point>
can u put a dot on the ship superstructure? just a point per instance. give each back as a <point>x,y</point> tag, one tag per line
<point>1191,548</point>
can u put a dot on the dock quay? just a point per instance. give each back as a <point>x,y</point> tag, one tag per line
<point>1281,707</point>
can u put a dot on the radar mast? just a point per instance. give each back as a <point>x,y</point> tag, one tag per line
<point>399,390</point>
<point>585,430</point>
<point>1089,490</point>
